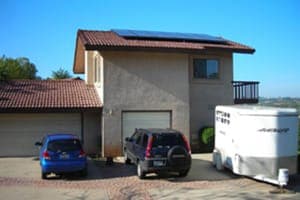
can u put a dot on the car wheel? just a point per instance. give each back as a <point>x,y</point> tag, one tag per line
<point>44,175</point>
<point>183,173</point>
<point>219,164</point>
<point>127,160</point>
<point>84,172</point>
<point>140,172</point>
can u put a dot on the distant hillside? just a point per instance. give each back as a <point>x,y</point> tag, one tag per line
<point>281,102</point>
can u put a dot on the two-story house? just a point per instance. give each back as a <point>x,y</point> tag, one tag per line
<point>148,79</point>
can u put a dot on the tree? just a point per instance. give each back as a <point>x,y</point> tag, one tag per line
<point>19,68</point>
<point>60,74</point>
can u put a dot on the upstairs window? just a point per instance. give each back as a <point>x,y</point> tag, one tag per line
<point>97,69</point>
<point>205,68</point>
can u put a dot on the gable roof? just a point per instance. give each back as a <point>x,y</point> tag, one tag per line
<point>109,40</point>
<point>68,95</point>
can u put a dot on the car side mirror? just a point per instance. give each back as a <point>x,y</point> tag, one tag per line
<point>38,144</point>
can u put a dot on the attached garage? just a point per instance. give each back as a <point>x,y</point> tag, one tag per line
<point>133,120</point>
<point>30,109</point>
<point>19,132</point>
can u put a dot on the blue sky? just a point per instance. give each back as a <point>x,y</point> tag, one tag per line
<point>45,31</point>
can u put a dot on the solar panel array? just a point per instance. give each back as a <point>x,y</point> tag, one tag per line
<point>167,35</point>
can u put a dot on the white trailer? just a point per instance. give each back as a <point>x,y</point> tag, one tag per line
<point>256,141</point>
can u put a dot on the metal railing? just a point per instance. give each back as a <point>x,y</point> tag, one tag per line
<point>245,92</point>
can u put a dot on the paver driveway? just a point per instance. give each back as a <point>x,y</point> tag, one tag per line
<point>20,179</point>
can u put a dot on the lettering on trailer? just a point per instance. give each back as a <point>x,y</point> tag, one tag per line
<point>222,132</point>
<point>274,130</point>
<point>223,117</point>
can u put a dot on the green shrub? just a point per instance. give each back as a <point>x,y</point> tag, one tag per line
<point>207,139</point>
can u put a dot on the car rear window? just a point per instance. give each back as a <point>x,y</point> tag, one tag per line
<point>167,139</point>
<point>64,145</point>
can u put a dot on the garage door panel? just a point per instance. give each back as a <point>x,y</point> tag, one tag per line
<point>18,145</point>
<point>19,132</point>
<point>133,120</point>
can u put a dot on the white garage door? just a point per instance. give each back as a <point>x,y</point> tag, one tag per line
<point>132,120</point>
<point>19,132</point>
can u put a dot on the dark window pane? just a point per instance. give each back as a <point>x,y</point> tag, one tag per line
<point>205,68</point>
<point>199,68</point>
<point>135,136</point>
<point>64,145</point>
<point>212,68</point>
<point>167,139</point>
<point>145,141</point>
<point>138,140</point>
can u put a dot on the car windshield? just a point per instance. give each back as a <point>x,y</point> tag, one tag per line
<point>167,139</point>
<point>64,145</point>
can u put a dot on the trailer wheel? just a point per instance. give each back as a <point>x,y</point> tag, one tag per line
<point>219,164</point>
<point>214,162</point>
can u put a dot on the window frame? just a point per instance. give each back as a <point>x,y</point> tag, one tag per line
<point>134,136</point>
<point>206,62</point>
<point>138,139</point>
<point>144,142</point>
<point>194,80</point>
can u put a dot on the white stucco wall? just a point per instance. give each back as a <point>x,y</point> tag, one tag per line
<point>92,132</point>
<point>137,81</point>
<point>88,67</point>
<point>206,94</point>
<point>148,81</point>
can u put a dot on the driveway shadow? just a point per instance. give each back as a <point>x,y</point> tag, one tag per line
<point>94,173</point>
<point>116,170</point>
<point>201,170</point>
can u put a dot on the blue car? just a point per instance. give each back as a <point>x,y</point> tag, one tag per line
<point>60,154</point>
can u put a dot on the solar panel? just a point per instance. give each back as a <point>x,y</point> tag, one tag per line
<point>167,35</point>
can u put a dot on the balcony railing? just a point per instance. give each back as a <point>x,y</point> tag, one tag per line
<point>245,92</point>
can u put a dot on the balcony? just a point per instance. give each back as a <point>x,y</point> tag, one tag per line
<point>245,92</point>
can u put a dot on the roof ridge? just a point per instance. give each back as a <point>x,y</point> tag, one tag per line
<point>52,95</point>
<point>44,80</point>
<point>90,30</point>
<point>106,39</point>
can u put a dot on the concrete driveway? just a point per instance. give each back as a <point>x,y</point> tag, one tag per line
<point>20,178</point>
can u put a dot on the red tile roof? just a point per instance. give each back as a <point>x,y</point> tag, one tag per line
<point>97,40</point>
<point>70,95</point>
<point>109,40</point>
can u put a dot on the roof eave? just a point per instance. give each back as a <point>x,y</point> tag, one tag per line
<point>50,109</point>
<point>78,64</point>
<point>166,49</point>
<point>237,50</point>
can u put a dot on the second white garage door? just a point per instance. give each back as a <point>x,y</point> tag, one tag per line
<point>19,132</point>
<point>132,120</point>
